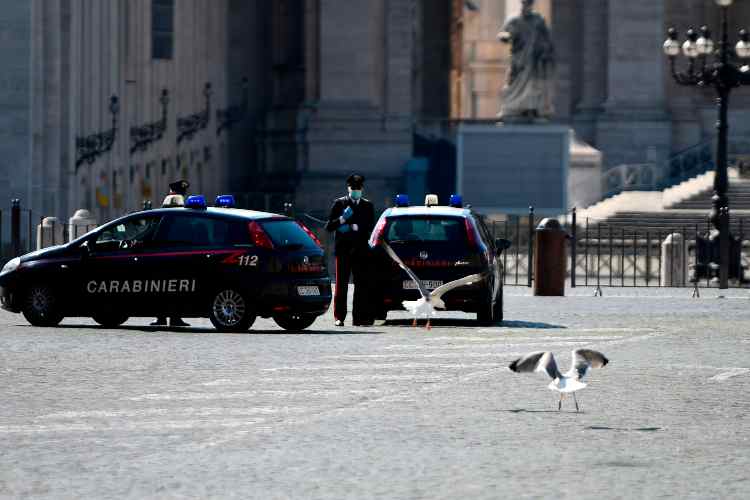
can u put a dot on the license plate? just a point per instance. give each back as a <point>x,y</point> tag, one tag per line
<point>307,291</point>
<point>428,284</point>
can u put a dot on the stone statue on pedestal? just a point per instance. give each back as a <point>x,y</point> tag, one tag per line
<point>527,96</point>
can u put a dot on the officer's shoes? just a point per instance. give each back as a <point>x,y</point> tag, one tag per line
<point>338,322</point>
<point>177,322</point>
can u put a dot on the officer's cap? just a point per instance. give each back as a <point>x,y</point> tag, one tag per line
<point>355,181</point>
<point>179,187</point>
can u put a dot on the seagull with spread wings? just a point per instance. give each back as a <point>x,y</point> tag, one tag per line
<point>570,382</point>
<point>425,306</point>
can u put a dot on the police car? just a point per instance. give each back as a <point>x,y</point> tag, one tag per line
<point>227,264</point>
<point>440,244</point>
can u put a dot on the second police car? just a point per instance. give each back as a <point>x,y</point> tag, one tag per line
<point>227,264</point>
<point>440,244</point>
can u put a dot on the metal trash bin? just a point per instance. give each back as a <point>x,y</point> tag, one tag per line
<point>550,264</point>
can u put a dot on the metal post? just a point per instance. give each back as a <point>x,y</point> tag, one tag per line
<point>531,246</point>
<point>573,244</point>
<point>15,226</point>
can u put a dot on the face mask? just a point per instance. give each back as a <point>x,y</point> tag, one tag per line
<point>355,194</point>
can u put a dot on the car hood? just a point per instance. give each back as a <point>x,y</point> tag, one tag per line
<point>45,253</point>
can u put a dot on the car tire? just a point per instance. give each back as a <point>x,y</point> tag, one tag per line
<point>110,320</point>
<point>230,311</point>
<point>294,322</point>
<point>41,306</point>
<point>488,314</point>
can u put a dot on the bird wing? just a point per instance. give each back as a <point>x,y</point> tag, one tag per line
<point>422,290</point>
<point>542,361</point>
<point>585,359</point>
<point>466,280</point>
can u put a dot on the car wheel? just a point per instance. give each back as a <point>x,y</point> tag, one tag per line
<point>486,315</point>
<point>294,322</point>
<point>110,320</point>
<point>230,311</point>
<point>41,306</point>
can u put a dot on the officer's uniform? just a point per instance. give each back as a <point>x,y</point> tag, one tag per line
<point>352,252</point>
<point>175,198</point>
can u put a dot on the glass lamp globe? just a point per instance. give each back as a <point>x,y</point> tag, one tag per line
<point>705,46</point>
<point>690,49</point>
<point>672,47</point>
<point>743,49</point>
<point>724,3</point>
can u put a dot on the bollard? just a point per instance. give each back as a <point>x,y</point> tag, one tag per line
<point>549,259</point>
<point>15,226</point>
<point>81,223</point>
<point>49,233</point>
<point>673,258</point>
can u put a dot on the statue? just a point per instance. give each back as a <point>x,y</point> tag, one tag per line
<point>527,96</point>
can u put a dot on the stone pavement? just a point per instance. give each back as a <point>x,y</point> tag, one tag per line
<point>385,412</point>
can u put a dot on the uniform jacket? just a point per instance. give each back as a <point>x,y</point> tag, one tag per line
<point>363,217</point>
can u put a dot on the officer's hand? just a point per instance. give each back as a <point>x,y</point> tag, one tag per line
<point>355,227</point>
<point>348,213</point>
<point>344,228</point>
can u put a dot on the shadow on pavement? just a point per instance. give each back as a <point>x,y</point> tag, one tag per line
<point>469,323</point>
<point>155,329</point>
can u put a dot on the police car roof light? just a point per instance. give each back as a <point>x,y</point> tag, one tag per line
<point>196,201</point>
<point>456,201</point>
<point>402,200</point>
<point>431,200</point>
<point>224,201</point>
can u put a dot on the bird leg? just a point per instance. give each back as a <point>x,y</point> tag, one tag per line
<point>559,403</point>
<point>414,323</point>
<point>576,401</point>
<point>428,325</point>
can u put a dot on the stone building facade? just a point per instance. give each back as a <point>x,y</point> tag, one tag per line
<point>333,86</point>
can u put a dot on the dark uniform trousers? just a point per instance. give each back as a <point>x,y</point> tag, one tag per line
<point>353,258</point>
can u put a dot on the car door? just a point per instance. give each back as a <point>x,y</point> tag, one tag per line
<point>112,271</point>
<point>186,258</point>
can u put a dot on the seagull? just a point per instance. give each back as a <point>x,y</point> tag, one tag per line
<point>544,361</point>
<point>425,306</point>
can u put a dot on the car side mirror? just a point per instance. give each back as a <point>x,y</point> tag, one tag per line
<point>502,244</point>
<point>85,248</point>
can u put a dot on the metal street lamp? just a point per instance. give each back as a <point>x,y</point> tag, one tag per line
<point>723,73</point>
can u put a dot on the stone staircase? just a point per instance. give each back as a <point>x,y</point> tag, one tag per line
<point>683,208</point>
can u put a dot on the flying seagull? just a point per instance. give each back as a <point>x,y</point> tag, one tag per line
<point>425,306</point>
<point>544,361</point>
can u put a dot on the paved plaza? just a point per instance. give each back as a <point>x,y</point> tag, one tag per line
<point>388,411</point>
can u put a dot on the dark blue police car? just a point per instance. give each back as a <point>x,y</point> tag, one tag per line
<point>227,264</point>
<point>440,244</point>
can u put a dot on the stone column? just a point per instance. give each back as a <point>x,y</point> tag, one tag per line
<point>635,127</point>
<point>593,54</point>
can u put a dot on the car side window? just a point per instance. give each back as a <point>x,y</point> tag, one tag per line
<point>127,234</point>
<point>182,230</point>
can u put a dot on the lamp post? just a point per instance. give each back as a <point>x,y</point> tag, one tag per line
<point>724,74</point>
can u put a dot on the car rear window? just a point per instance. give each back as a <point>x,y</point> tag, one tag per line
<point>426,228</point>
<point>288,234</point>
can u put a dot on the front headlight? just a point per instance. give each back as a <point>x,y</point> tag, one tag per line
<point>11,265</point>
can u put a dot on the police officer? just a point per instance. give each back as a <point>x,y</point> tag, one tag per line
<point>352,218</point>
<point>175,198</point>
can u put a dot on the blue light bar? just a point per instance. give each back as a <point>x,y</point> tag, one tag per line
<point>456,201</point>
<point>402,200</point>
<point>196,201</point>
<point>225,201</point>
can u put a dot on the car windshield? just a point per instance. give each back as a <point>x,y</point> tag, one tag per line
<point>433,229</point>
<point>288,234</point>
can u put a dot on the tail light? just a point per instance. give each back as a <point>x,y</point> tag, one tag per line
<point>258,236</point>
<point>378,232</point>
<point>310,234</point>
<point>475,243</point>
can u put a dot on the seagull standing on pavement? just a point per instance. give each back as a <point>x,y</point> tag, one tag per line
<point>544,361</point>
<point>425,306</point>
